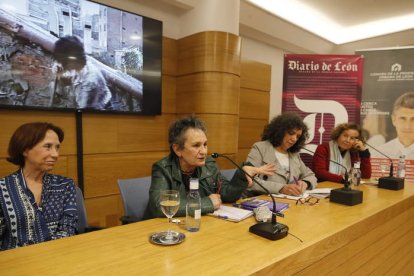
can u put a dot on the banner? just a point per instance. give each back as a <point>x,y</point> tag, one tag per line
<point>325,90</point>
<point>387,107</point>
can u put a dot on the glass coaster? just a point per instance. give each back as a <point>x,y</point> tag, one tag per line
<point>160,238</point>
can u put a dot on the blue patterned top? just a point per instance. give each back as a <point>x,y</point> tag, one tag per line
<point>22,222</point>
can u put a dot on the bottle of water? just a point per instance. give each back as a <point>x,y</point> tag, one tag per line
<point>193,208</point>
<point>401,167</point>
<point>356,175</point>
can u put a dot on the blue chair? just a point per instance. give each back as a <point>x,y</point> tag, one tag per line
<point>135,197</point>
<point>228,173</point>
<point>83,225</point>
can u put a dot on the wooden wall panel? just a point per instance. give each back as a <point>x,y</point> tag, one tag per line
<point>101,171</point>
<point>254,104</point>
<point>6,167</point>
<point>12,119</point>
<point>209,51</point>
<point>208,92</point>
<point>250,132</point>
<point>169,72</point>
<point>169,57</point>
<point>169,95</point>
<point>242,155</point>
<point>104,211</point>
<point>222,131</point>
<point>223,163</point>
<point>104,133</point>
<point>255,80</point>
<point>255,75</point>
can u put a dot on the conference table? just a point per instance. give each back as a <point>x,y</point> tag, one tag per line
<point>375,237</point>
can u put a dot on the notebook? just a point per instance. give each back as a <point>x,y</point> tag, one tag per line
<point>252,203</point>
<point>232,213</point>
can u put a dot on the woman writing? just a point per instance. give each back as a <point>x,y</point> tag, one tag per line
<point>35,206</point>
<point>188,159</point>
<point>281,142</point>
<point>346,148</point>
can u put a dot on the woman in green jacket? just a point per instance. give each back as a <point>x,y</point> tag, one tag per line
<point>188,159</point>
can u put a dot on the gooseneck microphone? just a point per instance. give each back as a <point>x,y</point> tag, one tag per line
<point>269,230</point>
<point>344,195</point>
<point>389,182</point>
<point>347,183</point>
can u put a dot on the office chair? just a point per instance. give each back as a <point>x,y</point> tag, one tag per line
<point>83,226</point>
<point>228,173</point>
<point>135,197</point>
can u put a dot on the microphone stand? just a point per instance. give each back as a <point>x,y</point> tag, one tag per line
<point>269,230</point>
<point>344,195</point>
<point>389,182</point>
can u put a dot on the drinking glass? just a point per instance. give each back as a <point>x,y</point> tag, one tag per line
<point>169,202</point>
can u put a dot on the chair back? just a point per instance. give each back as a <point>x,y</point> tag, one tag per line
<point>82,217</point>
<point>228,173</point>
<point>135,196</point>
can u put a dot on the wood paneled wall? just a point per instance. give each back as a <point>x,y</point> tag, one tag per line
<point>254,104</point>
<point>202,75</point>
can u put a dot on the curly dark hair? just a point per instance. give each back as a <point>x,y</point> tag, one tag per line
<point>179,127</point>
<point>275,131</point>
<point>337,131</point>
<point>26,137</point>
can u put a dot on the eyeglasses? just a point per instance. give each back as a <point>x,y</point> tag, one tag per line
<point>308,201</point>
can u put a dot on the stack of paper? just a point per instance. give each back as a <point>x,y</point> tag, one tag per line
<point>232,213</point>
<point>320,193</point>
<point>252,203</point>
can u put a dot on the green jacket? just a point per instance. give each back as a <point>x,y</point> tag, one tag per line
<point>166,174</point>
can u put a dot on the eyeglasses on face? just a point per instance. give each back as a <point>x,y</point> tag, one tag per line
<point>308,201</point>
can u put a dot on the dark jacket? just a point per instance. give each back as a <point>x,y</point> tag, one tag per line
<point>321,164</point>
<point>166,174</point>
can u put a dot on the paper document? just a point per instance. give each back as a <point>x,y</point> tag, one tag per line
<point>320,192</point>
<point>231,213</point>
<point>304,195</point>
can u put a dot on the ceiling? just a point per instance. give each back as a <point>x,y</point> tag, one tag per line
<point>342,21</point>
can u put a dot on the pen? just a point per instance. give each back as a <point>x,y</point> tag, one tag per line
<point>296,180</point>
<point>223,217</point>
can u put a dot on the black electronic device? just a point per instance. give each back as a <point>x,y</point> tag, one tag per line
<point>344,195</point>
<point>270,230</point>
<point>389,182</point>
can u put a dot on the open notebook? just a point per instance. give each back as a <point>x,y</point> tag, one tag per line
<point>232,213</point>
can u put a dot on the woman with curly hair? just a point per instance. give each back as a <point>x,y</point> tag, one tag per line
<point>281,142</point>
<point>346,147</point>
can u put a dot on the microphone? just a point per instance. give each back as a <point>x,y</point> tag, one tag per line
<point>390,182</point>
<point>269,230</point>
<point>344,195</point>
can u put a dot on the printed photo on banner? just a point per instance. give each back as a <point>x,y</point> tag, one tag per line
<point>387,107</point>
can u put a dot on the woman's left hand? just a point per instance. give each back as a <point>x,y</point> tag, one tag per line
<point>359,145</point>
